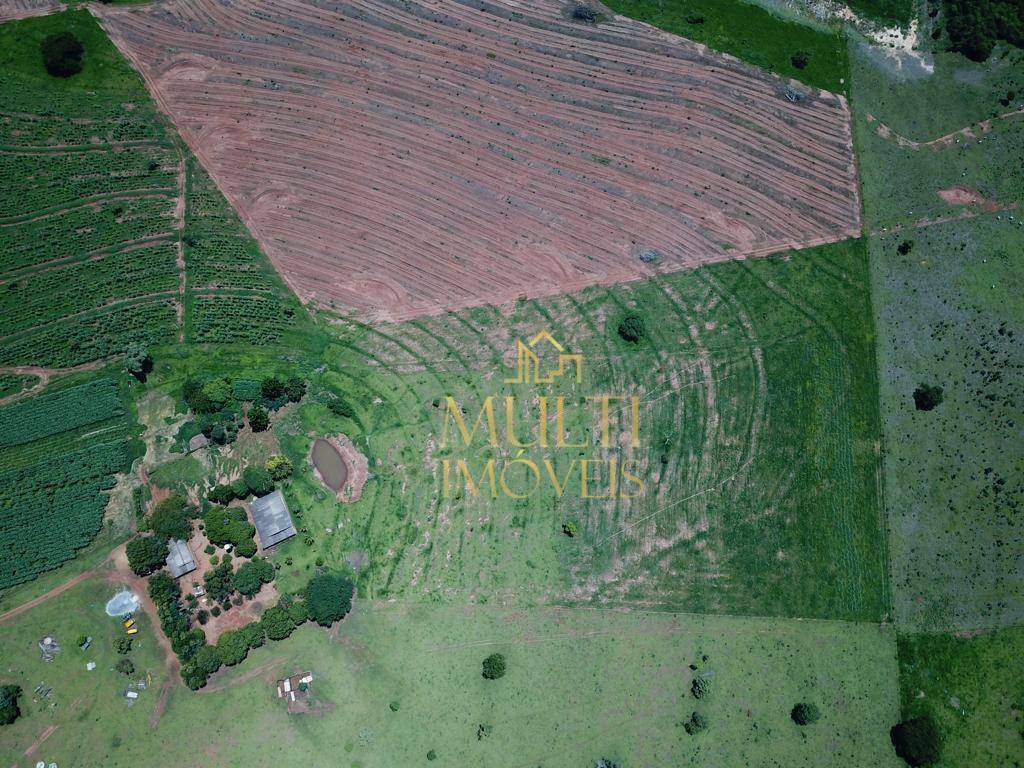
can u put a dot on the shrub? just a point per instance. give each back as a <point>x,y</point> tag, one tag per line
<point>272,388</point>
<point>800,59</point>
<point>202,616</point>
<point>125,666</point>
<point>584,13</point>
<point>927,397</point>
<point>805,713</point>
<point>215,611</point>
<point>569,529</point>
<point>229,525</point>
<point>917,741</point>
<point>195,671</point>
<point>329,598</point>
<point>295,388</point>
<point>431,755</point>
<point>277,624</point>
<point>222,494</point>
<point>123,644</point>
<point>258,480</point>
<point>494,666</point>
<point>632,328</point>
<point>340,407</point>
<point>905,247</point>
<point>259,419</point>
<point>146,554</point>
<point>700,687</point>
<point>62,54</point>
<point>219,583</point>
<point>697,723</point>
<point>137,360</point>
<point>279,467</point>
<point>393,706</point>
<point>9,711</point>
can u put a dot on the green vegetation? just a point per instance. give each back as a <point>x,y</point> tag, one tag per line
<point>494,666</point>
<point>172,519</point>
<point>62,54</point>
<point>329,598</point>
<point>927,397</point>
<point>751,33</point>
<point>229,525</point>
<point>896,12</point>
<point>59,452</point>
<point>975,26</point>
<point>971,689</point>
<point>805,713</point>
<point>917,741</point>
<point>13,383</point>
<point>146,554</point>
<point>632,328</point>
<point>252,575</point>
<point>9,710</point>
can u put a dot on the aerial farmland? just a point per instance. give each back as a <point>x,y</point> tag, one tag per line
<point>511,383</point>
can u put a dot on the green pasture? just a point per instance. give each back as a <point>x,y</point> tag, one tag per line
<point>973,686</point>
<point>580,685</point>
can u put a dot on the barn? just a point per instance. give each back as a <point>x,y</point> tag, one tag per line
<point>272,519</point>
<point>179,558</point>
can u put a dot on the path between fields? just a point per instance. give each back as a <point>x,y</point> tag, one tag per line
<point>15,612</point>
<point>44,375</point>
<point>967,132</point>
<point>47,733</point>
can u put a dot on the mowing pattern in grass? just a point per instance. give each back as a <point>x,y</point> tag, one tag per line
<point>90,218</point>
<point>59,452</point>
<point>751,33</point>
<point>758,433</point>
<point>974,689</point>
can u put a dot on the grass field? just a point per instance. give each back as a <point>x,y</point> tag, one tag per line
<point>974,688</point>
<point>758,447</point>
<point>751,33</point>
<point>94,256</point>
<point>580,685</point>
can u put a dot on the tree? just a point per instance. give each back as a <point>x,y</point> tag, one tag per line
<point>632,328</point>
<point>137,361</point>
<point>584,13</point>
<point>123,644</point>
<point>494,666</point>
<point>222,494</point>
<point>258,480</point>
<point>800,59</point>
<point>232,647</point>
<point>197,669</point>
<point>805,713</point>
<point>124,666</point>
<point>295,388</point>
<point>277,624</point>
<point>279,467</point>
<point>696,724</point>
<point>905,247</point>
<point>329,598</point>
<point>927,397</point>
<point>252,575</point>
<point>917,741</point>
<point>219,392</point>
<point>9,711</point>
<point>700,687</point>
<point>272,388</point>
<point>172,519</point>
<point>219,583</point>
<point>62,54</point>
<point>259,419</point>
<point>146,554</point>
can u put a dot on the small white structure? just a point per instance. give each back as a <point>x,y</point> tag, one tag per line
<point>91,666</point>
<point>132,694</point>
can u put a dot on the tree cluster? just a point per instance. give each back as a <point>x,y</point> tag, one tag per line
<point>917,741</point>
<point>329,598</point>
<point>229,525</point>
<point>172,519</point>
<point>252,575</point>
<point>975,26</point>
<point>62,54</point>
<point>9,710</point>
<point>146,554</point>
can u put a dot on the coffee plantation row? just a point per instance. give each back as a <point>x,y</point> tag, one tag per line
<point>52,414</point>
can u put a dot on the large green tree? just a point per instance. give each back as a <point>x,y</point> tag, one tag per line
<point>329,597</point>
<point>9,711</point>
<point>146,554</point>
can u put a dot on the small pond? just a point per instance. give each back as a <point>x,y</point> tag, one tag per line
<point>123,602</point>
<point>329,464</point>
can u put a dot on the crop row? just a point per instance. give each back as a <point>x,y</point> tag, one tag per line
<point>257,319</point>
<point>51,414</point>
<point>50,510</point>
<point>12,383</point>
<point>94,336</point>
<point>79,287</point>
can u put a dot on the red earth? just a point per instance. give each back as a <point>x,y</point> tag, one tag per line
<point>405,159</point>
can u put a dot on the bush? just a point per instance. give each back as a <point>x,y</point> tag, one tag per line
<point>195,671</point>
<point>916,741</point>
<point>632,328</point>
<point>340,407</point>
<point>700,687</point>
<point>494,666</point>
<point>9,711</point>
<point>259,419</point>
<point>927,397</point>
<point>125,666</point>
<point>905,247</point>
<point>805,713</point>
<point>295,388</point>
<point>329,598</point>
<point>272,388</point>
<point>569,529</point>
<point>258,480</point>
<point>800,59</point>
<point>223,494</point>
<point>697,723</point>
<point>219,583</point>
<point>137,361</point>
<point>431,755</point>
<point>584,13</point>
<point>62,54</point>
<point>123,644</point>
<point>146,554</point>
<point>277,624</point>
<point>279,467</point>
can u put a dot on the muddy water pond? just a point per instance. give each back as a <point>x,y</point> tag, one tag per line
<point>329,464</point>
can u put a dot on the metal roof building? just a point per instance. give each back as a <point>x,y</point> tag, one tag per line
<point>179,558</point>
<point>272,519</point>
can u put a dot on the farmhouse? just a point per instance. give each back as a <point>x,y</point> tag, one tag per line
<point>272,519</point>
<point>179,558</point>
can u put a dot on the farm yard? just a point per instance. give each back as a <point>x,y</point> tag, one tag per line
<point>396,162</point>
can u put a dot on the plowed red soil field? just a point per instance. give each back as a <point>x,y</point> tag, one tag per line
<point>397,159</point>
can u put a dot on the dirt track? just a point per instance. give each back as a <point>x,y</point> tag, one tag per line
<point>406,159</point>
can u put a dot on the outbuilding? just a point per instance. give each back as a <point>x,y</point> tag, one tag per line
<point>179,558</point>
<point>272,519</point>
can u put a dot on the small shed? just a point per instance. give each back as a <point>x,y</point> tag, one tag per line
<point>272,519</point>
<point>179,558</point>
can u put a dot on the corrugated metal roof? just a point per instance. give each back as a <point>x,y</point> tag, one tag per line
<point>273,522</point>
<point>179,558</point>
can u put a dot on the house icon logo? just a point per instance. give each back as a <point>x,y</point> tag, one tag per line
<point>528,362</point>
